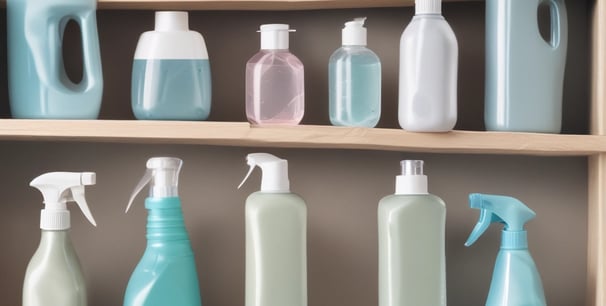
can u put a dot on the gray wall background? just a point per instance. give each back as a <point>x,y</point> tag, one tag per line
<point>341,187</point>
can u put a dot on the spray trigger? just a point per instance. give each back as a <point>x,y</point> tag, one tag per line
<point>144,180</point>
<point>163,175</point>
<point>274,172</point>
<point>58,188</point>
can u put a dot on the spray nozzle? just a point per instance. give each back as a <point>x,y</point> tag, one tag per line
<point>274,172</point>
<point>354,32</point>
<point>502,209</point>
<point>58,188</point>
<point>163,173</point>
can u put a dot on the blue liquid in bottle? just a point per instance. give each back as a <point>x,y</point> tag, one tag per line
<point>171,89</point>
<point>354,87</point>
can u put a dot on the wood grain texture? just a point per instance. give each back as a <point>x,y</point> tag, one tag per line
<point>304,136</point>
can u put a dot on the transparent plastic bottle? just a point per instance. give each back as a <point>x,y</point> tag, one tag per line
<point>275,92</point>
<point>354,80</point>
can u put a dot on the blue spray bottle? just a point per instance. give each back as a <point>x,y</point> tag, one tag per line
<point>515,279</point>
<point>166,275</point>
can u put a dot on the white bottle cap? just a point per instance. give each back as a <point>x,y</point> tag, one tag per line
<point>412,180</point>
<point>354,32</point>
<point>274,36</point>
<point>172,21</point>
<point>428,7</point>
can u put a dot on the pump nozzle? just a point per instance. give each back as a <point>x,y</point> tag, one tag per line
<point>163,172</point>
<point>354,32</point>
<point>274,172</point>
<point>497,208</point>
<point>58,188</point>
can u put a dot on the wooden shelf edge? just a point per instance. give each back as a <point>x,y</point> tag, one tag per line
<point>253,4</point>
<point>249,5</point>
<point>303,136</point>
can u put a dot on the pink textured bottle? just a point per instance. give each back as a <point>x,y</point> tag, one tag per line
<point>275,92</point>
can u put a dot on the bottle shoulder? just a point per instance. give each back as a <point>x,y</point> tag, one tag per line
<point>433,26</point>
<point>395,201</point>
<point>275,57</point>
<point>360,54</point>
<point>261,200</point>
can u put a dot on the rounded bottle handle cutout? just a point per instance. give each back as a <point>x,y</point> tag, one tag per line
<point>552,21</point>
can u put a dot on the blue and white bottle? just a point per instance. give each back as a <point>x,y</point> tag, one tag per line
<point>171,72</point>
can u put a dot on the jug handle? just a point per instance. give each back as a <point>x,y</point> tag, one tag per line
<point>92,70</point>
<point>559,23</point>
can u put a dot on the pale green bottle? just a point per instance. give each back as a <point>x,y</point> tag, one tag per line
<point>276,249</point>
<point>412,265</point>
<point>54,274</point>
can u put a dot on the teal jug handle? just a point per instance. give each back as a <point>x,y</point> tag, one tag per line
<point>92,73</point>
<point>559,23</point>
<point>91,59</point>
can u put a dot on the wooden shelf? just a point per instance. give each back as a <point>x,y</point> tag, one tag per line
<point>252,4</point>
<point>304,136</point>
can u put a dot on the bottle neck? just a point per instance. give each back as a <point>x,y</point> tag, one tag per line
<point>514,240</point>
<point>165,222</point>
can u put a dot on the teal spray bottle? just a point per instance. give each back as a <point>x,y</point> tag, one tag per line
<point>515,279</point>
<point>54,274</point>
<point>166,274</point>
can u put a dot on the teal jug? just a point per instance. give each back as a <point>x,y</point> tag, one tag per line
<point>524,72</point>
<point>39,87</point>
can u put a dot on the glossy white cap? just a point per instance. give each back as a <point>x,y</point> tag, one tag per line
<point>354,32</point>
<point>58,188</point>
<point>274,36</point>
<point>167,21</point>
<point>412,180</point>
<point>428,7</point>
<point>274,172</point>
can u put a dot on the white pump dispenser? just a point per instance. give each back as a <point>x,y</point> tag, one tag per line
<point>354,33</point>
<point>163,173</point>
<point>55,260</point>
<point>276,231</point>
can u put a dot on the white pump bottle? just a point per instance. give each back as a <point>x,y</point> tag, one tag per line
<point>276,249</point>
<point>54,274</point>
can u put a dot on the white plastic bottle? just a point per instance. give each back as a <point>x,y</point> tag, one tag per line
<point>354,80</point>
<point>54,275</point>
<point>428,71</point>
<point>275,84</point>
<point>276,231</point>
<point>412,264</point>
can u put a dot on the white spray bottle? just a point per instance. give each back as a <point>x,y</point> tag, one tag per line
<point>276,249</point>
<point>54,275</point>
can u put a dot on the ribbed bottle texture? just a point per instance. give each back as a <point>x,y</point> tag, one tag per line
<point>165,220</point>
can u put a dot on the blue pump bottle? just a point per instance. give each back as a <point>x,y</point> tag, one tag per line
<point>166,275</point>
<point>515,279</point>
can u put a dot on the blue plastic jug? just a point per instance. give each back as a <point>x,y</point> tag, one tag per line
<point>38,84</point>
<point>524,72</point>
